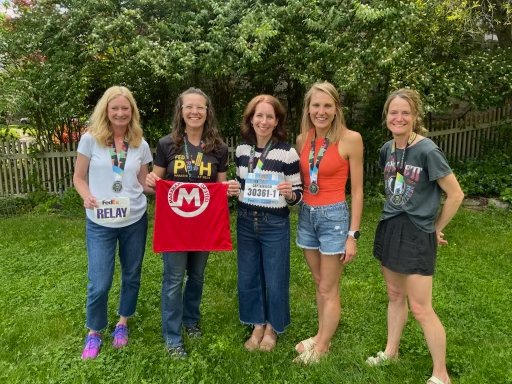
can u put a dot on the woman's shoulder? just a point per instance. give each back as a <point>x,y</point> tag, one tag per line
<point>165,140</point>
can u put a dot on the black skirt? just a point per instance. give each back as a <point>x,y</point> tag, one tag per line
<point>404,248</point>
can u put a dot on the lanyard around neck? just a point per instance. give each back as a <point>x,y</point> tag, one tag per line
<point>118,159</point>
<point>313,166</point>
<point>192,166</point>
<point>259,165</point>
<point>400,168</point>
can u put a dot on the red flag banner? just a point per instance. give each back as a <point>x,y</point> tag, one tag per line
<point>191,217</point>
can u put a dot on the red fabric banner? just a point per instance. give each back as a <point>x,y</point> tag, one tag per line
<point>191,217</point>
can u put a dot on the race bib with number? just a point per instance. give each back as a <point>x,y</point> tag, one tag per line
<point>261,189</point>
<point>113,210</point>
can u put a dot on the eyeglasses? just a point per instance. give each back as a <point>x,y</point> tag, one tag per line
<point>190,108</point>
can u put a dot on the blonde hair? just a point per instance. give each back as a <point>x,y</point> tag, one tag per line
<point>338,124</point>
<point>100,124</point>
<point>413,98</point>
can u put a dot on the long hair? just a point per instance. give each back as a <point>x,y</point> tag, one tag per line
<point>100,125</point>
<point>247,130</point>
<point>413,98</point>
<point>211,136</point>
<point>338,124</point>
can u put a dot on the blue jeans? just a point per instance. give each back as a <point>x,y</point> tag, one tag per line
<point>178,307</point>
<point>101,250</point>
<point>263,243</point>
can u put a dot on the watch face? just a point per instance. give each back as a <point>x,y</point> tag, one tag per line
<point>356,235</point>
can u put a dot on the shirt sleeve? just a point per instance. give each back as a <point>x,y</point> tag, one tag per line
<point>437,164</point>
<point>85,145</point>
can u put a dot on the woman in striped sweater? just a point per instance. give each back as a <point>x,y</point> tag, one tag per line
<point>267,168</point>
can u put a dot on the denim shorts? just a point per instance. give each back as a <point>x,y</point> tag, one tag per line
<point>323,227</point>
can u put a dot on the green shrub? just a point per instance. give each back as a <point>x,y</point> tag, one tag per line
<point>11,206</point>
<point>489,176</point>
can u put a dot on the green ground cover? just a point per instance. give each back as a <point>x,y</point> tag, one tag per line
<point>42,298</point>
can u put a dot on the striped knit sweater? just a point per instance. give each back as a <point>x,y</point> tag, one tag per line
<point>281,160</point>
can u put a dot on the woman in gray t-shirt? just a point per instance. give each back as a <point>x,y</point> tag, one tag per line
<point>415,175</point>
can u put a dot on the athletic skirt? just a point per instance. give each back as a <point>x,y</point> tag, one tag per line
<point>404,248</point>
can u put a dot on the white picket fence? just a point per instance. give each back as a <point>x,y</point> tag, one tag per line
<point>26,168</point>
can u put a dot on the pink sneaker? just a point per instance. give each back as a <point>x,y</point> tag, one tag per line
<point>120,336</point>
<point>92,346</point>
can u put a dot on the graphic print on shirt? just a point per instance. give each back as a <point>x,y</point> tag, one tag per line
<point>399,190</point>
<point>180,168</point>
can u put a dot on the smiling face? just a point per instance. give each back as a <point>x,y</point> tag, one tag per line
<point>194,109</point>
<point>264,121</point>
<point>119,112</point>
<point>322,110</point>
<point>400,117</point>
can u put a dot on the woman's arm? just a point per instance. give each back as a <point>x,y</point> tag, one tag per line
<point>454,197</point>
<point>80,181</point>
<point>152,177</point>
<point>352,147</point>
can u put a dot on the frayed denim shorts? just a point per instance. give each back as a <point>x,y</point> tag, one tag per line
<point>323,227</point>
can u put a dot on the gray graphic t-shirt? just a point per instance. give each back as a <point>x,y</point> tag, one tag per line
<point>417,193</point>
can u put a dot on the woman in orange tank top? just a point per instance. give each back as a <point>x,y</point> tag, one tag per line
<point>329,153</point>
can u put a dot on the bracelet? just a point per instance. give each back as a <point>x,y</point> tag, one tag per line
<point>292,199</point>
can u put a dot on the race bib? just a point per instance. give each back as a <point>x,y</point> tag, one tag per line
<point>261,188</point>
<point>113,210</point>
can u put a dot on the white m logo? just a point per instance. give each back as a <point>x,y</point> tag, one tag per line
<point>192,198</point>
<point>188,196</point>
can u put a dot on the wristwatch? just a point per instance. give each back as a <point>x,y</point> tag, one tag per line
<point>354,234</point>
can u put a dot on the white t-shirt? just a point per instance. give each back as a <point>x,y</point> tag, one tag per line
<point>101,178</point>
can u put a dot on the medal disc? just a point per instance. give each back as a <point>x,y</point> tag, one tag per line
<point>397,199</point>
<point>117,186</point>
<point>314,188</point>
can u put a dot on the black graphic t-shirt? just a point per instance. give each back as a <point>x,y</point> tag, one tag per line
<point>418,194</point>
<point>176,166</point>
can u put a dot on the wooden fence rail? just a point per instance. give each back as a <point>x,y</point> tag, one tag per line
<point>25,168</point>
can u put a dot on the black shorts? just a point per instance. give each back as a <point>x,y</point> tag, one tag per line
<point>404,248</point>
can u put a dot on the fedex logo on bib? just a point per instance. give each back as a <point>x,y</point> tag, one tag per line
<point>191,217</point>
<point>112,210</point>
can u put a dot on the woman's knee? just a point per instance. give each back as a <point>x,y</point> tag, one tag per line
<point>422,311</point>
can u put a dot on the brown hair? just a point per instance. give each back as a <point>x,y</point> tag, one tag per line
<point>279,133</point>
<point>211,136</point>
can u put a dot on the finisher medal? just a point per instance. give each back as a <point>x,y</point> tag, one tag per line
<point>117,186</point>
<point>314,188</point>
<point>397,199</point>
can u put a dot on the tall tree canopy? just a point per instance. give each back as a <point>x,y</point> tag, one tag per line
<point>59,56</point>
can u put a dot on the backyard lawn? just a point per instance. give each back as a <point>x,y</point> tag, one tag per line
<point>42,313</point>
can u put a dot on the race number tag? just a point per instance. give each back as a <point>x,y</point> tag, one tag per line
<point>113,210</point>
<point>261,188</point>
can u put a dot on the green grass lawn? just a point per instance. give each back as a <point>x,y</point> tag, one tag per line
<point>42,313</point>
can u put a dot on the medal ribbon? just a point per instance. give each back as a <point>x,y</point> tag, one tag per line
<point>262,158</point>
<point>192,169</point>
<point>118,159</point>
<point>399,178</point>
<point>313,167</point>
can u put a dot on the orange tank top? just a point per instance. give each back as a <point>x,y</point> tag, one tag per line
<point>332,173</point>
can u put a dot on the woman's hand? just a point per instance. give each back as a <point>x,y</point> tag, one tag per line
<point>151,179</point>
<point>285,189</point>
<point>90,202</point>
<point>233,187</point>
<point>350,250</point>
